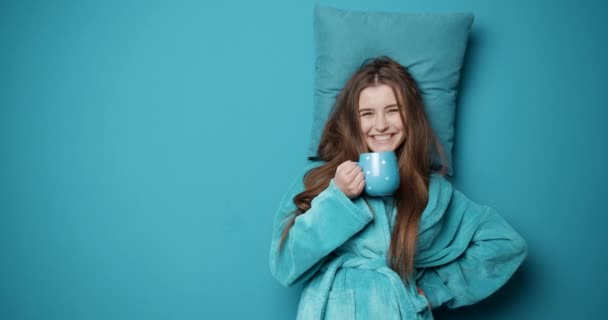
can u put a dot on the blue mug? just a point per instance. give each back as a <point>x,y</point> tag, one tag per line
<point>381,173</point>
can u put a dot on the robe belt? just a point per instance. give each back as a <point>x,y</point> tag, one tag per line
<point>417,305</point>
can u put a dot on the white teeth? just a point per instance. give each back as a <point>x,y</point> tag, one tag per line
<point>382,138</point>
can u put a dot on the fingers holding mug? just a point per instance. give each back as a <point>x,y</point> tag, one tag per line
<point>348,178</point>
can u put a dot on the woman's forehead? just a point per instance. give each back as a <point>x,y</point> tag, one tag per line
<point>377,96</point>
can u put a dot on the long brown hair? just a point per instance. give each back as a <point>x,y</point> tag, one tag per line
<point>343,140</point>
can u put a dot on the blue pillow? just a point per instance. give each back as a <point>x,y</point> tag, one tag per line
<point>431,46</point>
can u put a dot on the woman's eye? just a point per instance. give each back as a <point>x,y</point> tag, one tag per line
<point>365,114</point>
<point>393,110</point>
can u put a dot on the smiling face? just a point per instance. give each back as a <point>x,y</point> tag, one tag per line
<point>380,118</point>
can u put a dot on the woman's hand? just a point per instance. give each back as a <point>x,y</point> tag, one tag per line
<point>349,178</point>
<point>421,292</point>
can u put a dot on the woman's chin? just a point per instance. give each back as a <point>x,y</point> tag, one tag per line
<point>381,148</point>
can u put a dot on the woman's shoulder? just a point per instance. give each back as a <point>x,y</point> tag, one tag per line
<point>443,191</point>
<point>440,186</point>
<point>439,180</point>
<point>311,163</point>
<point>297,182</point>
<point>440,196</point>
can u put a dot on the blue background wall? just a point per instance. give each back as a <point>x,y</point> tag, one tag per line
<point>145,146</point>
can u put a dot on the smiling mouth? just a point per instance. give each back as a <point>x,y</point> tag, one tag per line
<point>382,138</point>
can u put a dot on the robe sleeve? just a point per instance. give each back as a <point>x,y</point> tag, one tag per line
<point>331,220</point>
<point>488,252</point>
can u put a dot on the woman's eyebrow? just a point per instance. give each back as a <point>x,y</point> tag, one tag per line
<point>372,109</point>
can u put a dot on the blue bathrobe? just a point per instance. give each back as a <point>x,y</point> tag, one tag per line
<point>338,249</point>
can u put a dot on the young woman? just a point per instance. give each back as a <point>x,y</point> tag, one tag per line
<point>392,257</point>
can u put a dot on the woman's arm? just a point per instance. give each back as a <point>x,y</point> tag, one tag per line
<point>492,255</point>
<point>331,220</point>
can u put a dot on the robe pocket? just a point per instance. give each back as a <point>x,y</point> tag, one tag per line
<point>340,305</point>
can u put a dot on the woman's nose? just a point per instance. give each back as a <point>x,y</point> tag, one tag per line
<point>381,123</point>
